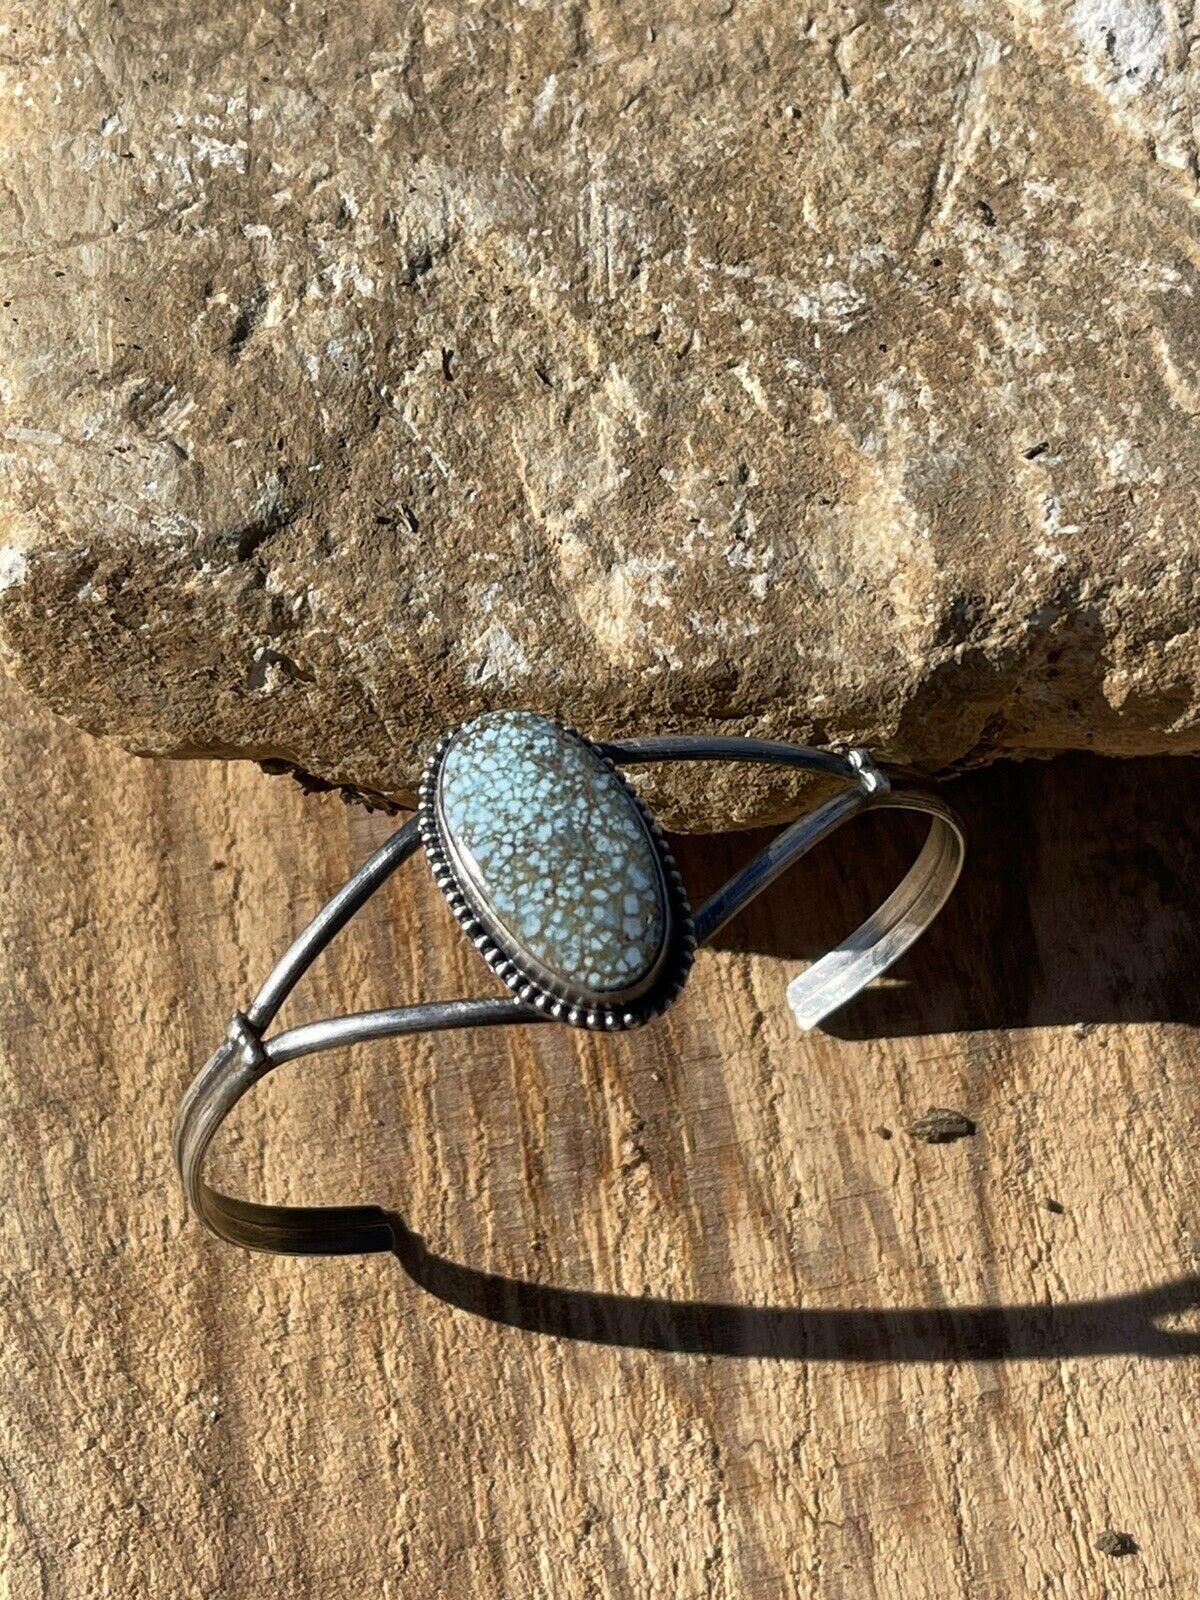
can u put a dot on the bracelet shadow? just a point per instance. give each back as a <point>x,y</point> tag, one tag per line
<point>1077,906</point>
<point>1130,1324</point>
<point>1077,903</point>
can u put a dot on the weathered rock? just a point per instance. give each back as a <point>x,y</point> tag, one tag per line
<point>659,366</point>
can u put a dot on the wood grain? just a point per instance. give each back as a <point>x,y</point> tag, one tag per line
<point>693,1315</point>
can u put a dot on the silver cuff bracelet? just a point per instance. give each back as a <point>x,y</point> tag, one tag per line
<point>562,880</point>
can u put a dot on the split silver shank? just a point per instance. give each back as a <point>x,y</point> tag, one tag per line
<point>245,1055</point>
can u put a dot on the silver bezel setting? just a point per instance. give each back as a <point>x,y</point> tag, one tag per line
<point>516,967</point>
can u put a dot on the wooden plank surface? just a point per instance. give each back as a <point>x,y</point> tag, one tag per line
<point>826,1358</point>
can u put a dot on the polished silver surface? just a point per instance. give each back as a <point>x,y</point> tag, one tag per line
<point>246,1055</point>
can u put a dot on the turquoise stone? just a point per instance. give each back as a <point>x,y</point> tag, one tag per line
<point>555,850</point>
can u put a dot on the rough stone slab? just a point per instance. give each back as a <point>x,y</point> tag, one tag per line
<point>829,375</point>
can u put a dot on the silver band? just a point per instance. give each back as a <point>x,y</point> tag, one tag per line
<point>246,1055</point>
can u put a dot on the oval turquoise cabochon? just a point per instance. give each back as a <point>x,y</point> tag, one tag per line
<point>556,850</point>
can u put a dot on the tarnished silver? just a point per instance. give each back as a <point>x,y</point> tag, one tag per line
<point>246,1055</point>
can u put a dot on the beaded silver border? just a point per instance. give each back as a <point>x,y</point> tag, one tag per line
<point>515,968</point>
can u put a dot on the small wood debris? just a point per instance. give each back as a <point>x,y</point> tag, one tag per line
<point>939,1126</point>
<point>1114,1543</point>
